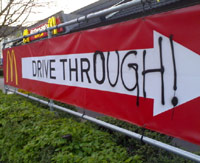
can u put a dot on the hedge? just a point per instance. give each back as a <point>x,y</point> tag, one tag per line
<point>29,133</point>
<point>147,153</point>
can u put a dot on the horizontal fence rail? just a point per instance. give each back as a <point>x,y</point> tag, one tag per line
<point>131,134</point>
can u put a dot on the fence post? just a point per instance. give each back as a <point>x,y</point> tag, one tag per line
<point>51,105</point>
<point>5,89</point>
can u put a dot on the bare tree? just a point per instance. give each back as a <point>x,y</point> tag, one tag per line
<point>15,12</point>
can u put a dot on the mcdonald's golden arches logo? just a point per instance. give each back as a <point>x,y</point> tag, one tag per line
<point>52,23</point>
<point>11,60</point>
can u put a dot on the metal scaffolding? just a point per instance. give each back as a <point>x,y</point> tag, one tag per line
<point>80,19</point>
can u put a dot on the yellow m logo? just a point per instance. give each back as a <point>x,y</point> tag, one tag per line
<point>12,61</point>
<point>26,32</point>
<point>52,23</point>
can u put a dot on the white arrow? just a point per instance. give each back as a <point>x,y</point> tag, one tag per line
<point>188,75</point>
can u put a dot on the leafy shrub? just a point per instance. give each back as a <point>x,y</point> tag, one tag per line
<point>58,112</point>
<point>29,133</point>
<point>148,153</point>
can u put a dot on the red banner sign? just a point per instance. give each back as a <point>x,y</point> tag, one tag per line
<point>144,71</point>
